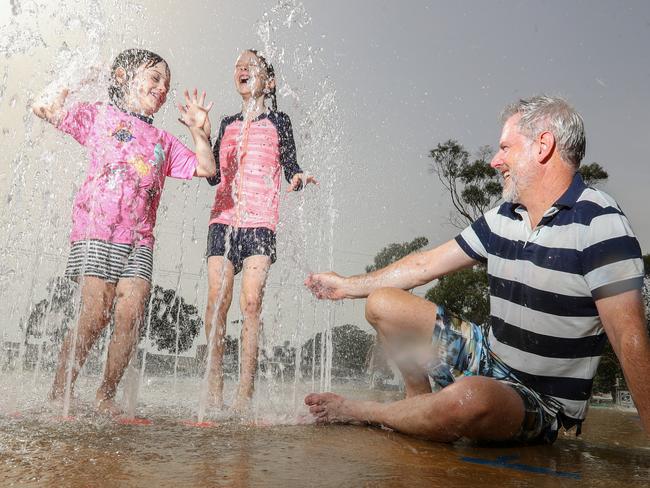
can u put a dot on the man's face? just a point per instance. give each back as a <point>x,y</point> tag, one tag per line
<point>514,161</point>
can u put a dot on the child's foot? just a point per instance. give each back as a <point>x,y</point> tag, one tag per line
<point>215,393</point>
<point>56,402</point>
<point>242,406</point>
<point>108,406</point>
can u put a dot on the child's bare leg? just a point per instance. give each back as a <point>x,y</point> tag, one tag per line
<point>252,291</point>
<point>220,282</point>
<point>131,297</point>
<point>96,301</point>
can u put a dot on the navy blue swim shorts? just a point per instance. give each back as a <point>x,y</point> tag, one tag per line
<point>239,243</point>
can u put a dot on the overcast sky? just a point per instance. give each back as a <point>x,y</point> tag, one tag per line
<point>371,87</point>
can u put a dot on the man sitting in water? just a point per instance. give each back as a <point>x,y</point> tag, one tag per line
<point>565,274</point>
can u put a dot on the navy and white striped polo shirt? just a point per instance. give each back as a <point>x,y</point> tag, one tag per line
<point>544,283</point>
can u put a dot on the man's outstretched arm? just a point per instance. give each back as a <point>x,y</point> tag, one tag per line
<point>413,270</point>
<point>623,318</point>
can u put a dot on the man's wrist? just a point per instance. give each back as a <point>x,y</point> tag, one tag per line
<point>352,287</point>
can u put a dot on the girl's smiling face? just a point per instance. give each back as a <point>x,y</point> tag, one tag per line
<point>148,89</point>
<point>250,76</point>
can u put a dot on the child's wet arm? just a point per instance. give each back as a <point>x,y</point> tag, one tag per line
<point>206,166</point>
<point>51,112</point>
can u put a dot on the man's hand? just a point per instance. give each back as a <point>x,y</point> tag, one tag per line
<point>326,285</point>
<point>300,178</point>
<point>194,114</point>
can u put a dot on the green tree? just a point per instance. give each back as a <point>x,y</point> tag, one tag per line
<point>395,252</point>
<point>592,173</point>
<point>50,318</point>
<point>34,326</point>
<point>52,315</point>
<point>350,348</point>
<point>464,293</point>
<point>170,316</point>
<point>472,184</point>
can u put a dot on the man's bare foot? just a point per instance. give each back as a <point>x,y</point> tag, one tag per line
<point>108,406</point>
<point>332,408</point>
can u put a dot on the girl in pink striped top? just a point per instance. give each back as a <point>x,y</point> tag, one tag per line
<point>252,149</point>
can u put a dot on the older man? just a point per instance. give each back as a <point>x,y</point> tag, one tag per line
<point>565,274</point>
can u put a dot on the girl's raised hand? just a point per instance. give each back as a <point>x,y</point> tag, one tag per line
<point>194,114</point>
<point>299,179</point>
<point>54,111</point>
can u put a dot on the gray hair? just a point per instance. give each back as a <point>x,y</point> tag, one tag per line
<point>554,114</point>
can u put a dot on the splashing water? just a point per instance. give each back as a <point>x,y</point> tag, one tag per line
<point>46,169</point>
<point>319,136</point>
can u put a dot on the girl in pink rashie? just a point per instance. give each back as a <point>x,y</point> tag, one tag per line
<point>115,209</point>
<point>252,149</point>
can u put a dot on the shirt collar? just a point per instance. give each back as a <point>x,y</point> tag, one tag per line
<point>571,195</point>
<point>263,115</point>
<point>142,117</point>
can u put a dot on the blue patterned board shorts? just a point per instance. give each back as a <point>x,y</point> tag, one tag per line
<point>462,350</point>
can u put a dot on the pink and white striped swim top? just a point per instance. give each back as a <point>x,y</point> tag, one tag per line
<point>249,157</point>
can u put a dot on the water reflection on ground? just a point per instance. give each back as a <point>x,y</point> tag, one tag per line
<point>39,449</point>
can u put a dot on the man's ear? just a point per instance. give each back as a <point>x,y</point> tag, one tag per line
<point>546,142</point>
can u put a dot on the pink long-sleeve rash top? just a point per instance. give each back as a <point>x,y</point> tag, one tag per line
<point>129,161</point>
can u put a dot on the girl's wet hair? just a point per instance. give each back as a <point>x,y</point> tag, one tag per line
<point>270,72</point>
<point>130,60</point>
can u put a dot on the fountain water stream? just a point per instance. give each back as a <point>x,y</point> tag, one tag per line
<point>46,169</point>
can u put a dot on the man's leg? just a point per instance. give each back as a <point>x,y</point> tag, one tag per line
<point>221,275</point>
<point>254,275</point>
<point>404,323</point>
<point>474,407</point>
<point>131,297</point>
<point>96,301</point>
